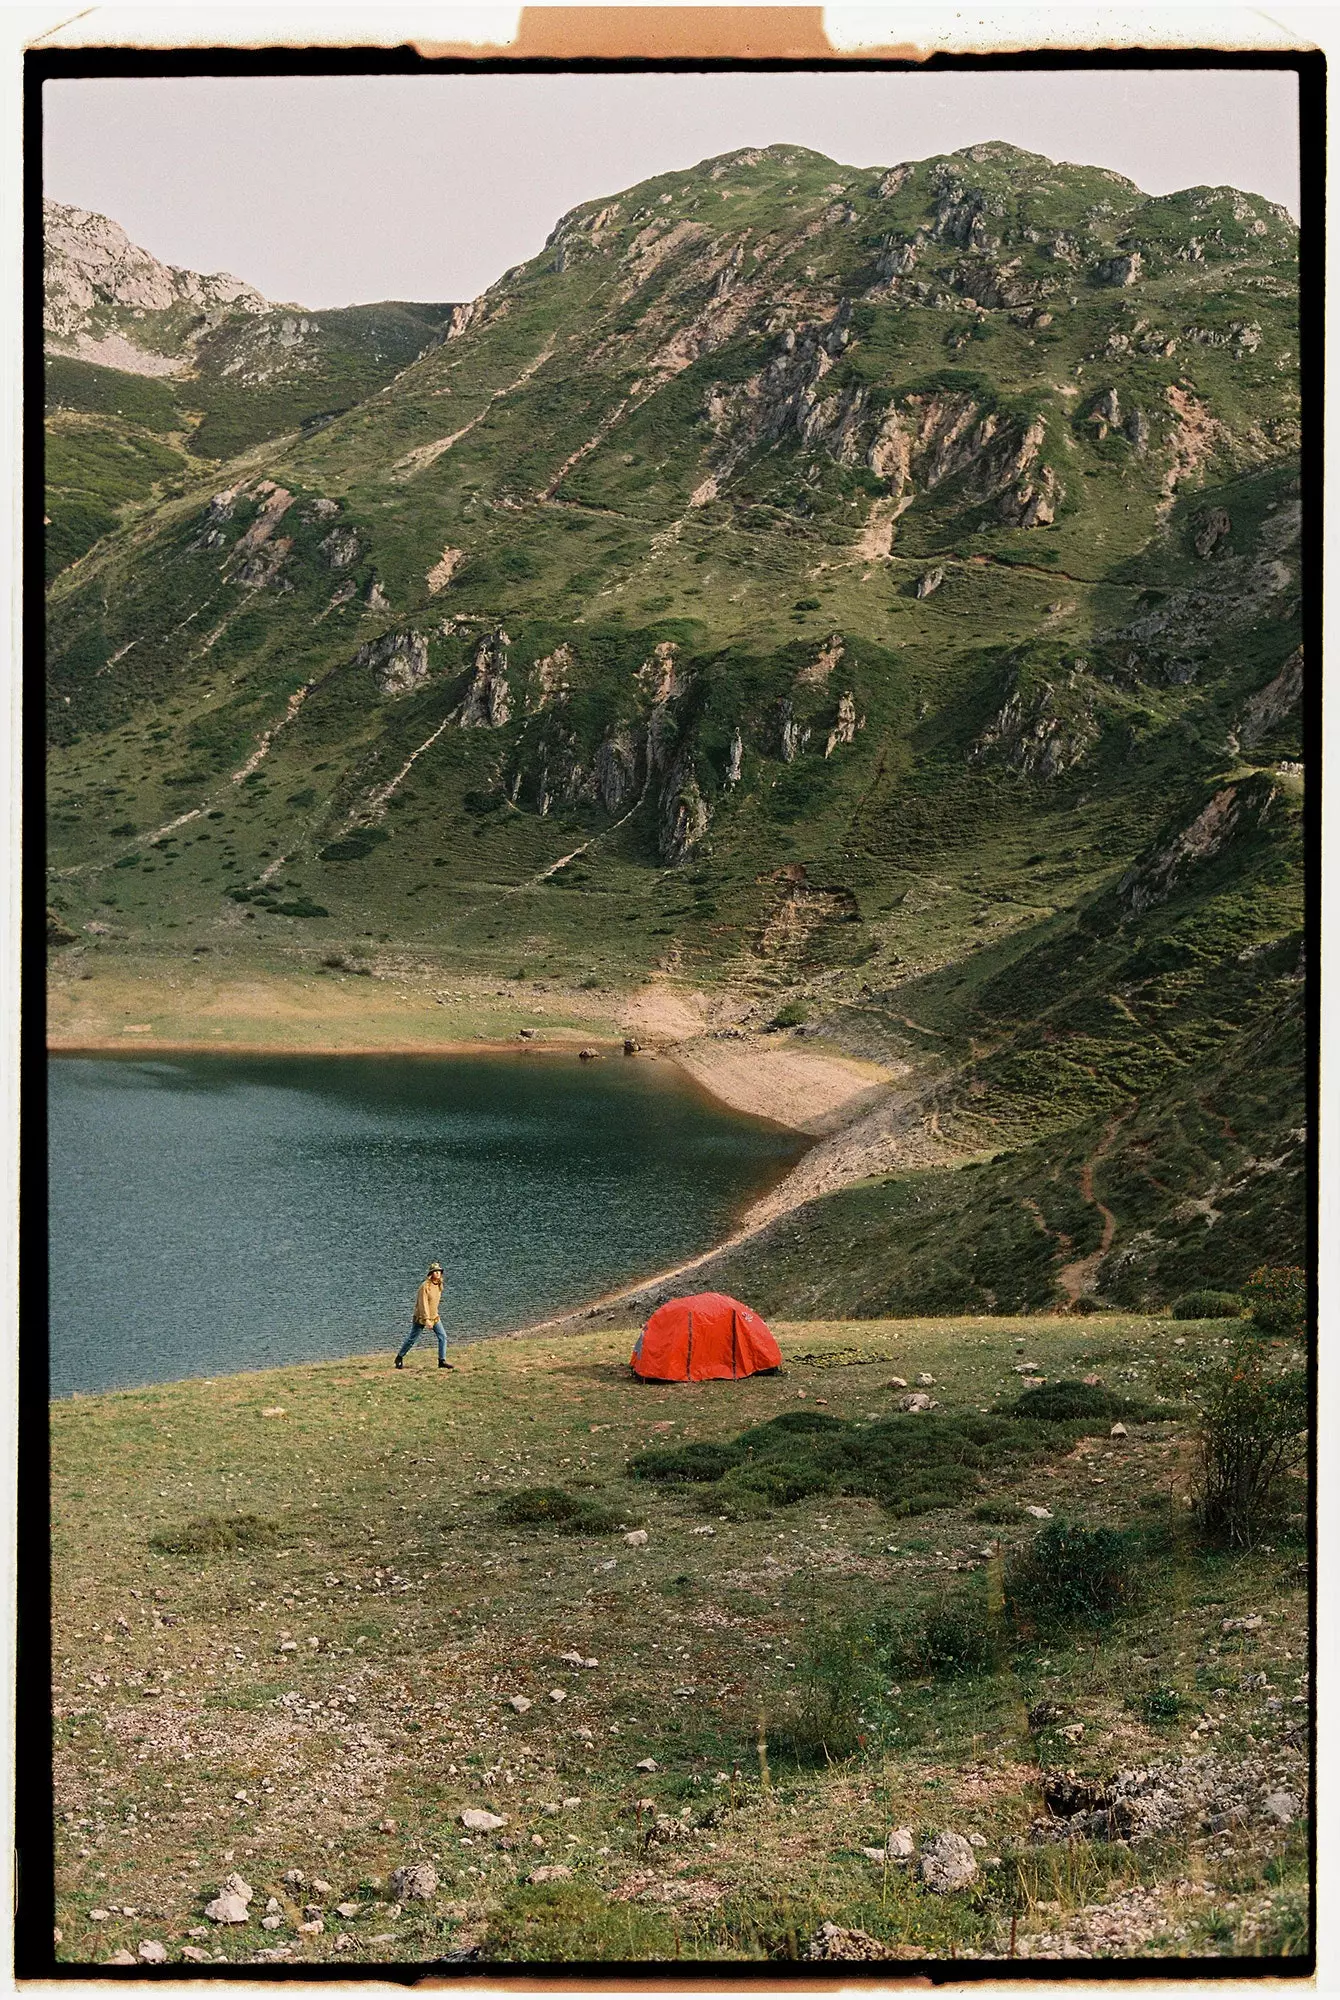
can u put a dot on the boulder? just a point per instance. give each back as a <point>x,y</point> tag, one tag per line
<point>227,1910</point>
<point>1282,1807</point>
<point>475,1820</point>
<point>553,1872</point>
<point>900,1846</point>
<point>414,1882</point>
<point>521,1703</point>
<point>948,1863</point>
<point>151,1952</point>
<point>917,1402</point>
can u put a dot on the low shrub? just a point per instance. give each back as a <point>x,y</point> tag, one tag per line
<point>791,1015</point>
<point>910,1463</point>
<point>1276,1296</point>
<point>1207,1305</point>
<point>1070,1402</point>
<point>216,1535</point>
<point>1252,1435</point>
<point>826,1720</point>
<point>1161,1704</point>
<point>960,1637</point>
<point>544,1923</point>
<point>555,1507</point>
<point>1070,1576</point>
<point>999,1511</point>
<point>685,1462</point>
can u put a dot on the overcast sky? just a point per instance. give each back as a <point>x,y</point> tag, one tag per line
<point>337,191</point>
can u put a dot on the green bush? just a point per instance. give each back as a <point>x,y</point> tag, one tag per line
<point>1252,1434</point>
<point>1070,1576</point>
<point>791,1015</point>
<point>1276,1296</point>
<point>554,1507</point>
<point>1207,1305</point>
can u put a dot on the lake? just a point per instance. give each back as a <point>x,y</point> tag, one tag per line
<point>216,1213</point>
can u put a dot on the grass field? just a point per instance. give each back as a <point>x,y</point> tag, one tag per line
<point>292,1616</point>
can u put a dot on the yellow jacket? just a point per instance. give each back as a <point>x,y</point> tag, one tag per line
<point>427,1302</point>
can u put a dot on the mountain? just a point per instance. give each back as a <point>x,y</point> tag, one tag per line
<point>871,596</point>
<point>151,368</point>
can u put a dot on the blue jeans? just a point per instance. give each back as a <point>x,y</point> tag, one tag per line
<point>416,1330</point>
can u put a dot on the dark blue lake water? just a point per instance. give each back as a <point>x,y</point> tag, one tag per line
<point>217,1213</point>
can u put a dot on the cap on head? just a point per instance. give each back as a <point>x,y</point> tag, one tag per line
<point>435,1266</point>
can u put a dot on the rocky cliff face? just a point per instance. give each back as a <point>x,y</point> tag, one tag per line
<point>107,300</point>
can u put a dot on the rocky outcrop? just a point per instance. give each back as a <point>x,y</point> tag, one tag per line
<point>1209,528</point>
<point>98,281</point>
<point>792,735</point>
<point>1268,707</point>
<point>929,582</point>
<point>398,660</point>
<point>617,774</point>
<point>1123,270</point>
<point>735,758</point>
<point>829,655</point>
<point>550,679</point>
<point>1040,732</point>
<point>340,548</point>
<point>684,816</point>
<point>846,725</point>
<point>488,699</point>
<point>1231,812</point>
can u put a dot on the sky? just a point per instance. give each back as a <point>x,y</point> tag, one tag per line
<point>330,191</point>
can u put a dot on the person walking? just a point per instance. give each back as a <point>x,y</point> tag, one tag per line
<point>426,1305</point>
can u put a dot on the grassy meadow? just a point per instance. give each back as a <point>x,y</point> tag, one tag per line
<point>306,1618</point>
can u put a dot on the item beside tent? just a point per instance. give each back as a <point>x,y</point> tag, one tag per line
<point>706,1338</point>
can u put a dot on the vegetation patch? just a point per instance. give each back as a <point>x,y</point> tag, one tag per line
<point>216,1535</point>
<point>555,1507</point>
<point>1072,1576</point>
<point>910,1463</point>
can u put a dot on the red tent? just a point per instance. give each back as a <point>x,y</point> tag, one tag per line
<point>708,1338</point>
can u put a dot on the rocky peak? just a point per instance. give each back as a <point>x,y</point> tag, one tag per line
<point>100,285</point>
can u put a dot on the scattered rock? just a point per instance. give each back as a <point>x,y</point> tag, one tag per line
<point>929,581</point>
<point>832,1941</point>
<point>522,1703</point>
<point>648,1764</point>
<point>415,1882</point>
<point>98,1916</point>
<point>925,1381</point>
<point>475,1820</point>
<point>314,1927</point>
<point>274,1411</point>
<point>896,1382</point>
<point>1282,1807</point>
<point>1039,1513</point>
<point>1092,1381</point>
<point>588,1055</point>
<point>558,1694</point>
<point>553,1872</point>
<point>917,1402</point>
<point>1252,1623</point>
<point>152,1952</point>
<point>295,1877</point>
<point>900,1846</point>
<point>272,1923</point>
<point>123,1958</point>
<point>1033,1381</point>
<point>320,1888</point>
<point>1118,1431</point>
<point>636,1538</point>
<point>348,1910</point>
<point>948,1863</point>
<point>227,1910</point>
<point>193,1954</point>
<point>977,1840</point>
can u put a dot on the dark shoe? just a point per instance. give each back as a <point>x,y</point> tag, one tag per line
<point>400,1361</point>
<point>447,1364</point>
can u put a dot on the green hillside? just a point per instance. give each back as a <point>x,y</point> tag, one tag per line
<point>871,594</point>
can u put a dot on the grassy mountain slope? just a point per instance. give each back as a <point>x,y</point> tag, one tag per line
<point>873,591</point>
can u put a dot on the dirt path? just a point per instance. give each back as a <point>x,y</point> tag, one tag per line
<point>1079,1277</point>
